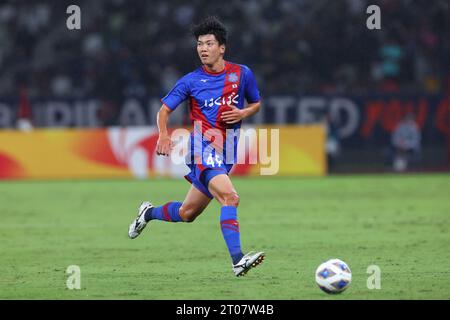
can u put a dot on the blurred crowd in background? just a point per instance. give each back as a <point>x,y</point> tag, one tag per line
<point>140,48</point>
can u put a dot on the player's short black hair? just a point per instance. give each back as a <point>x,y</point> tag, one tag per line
<point>211,25</point>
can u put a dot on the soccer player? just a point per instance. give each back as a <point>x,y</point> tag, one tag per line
<point>216,93</point>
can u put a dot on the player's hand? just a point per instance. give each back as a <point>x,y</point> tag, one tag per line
<point>233,116</point>
<point>164,145</point>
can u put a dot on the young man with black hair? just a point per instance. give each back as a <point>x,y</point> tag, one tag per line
<point>216,93</point>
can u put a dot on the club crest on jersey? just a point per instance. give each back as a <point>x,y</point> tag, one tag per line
<point>232,77</point>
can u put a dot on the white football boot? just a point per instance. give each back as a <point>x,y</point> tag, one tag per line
<point>250,260</point>
<point>139,223</point>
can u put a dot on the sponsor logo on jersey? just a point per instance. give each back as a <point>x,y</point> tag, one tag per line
<point>232,99</point>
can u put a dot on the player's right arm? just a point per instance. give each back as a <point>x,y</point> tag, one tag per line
<point>177,95</point>
<point>164,144</point>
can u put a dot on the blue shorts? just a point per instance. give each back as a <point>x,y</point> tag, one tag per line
<point>200,176</point>
<point>208,165</point>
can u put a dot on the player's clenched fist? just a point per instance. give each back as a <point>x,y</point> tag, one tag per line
<point>164,145</point>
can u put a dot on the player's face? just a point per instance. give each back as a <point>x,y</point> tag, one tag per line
<point>209,50</point>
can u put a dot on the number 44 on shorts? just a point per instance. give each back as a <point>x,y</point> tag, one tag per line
<point>214,161</point>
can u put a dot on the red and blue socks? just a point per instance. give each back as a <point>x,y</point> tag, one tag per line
<point>168,212</point>
<point>230,231</point>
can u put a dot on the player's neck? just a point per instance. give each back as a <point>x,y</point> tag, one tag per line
<point>217,67</point>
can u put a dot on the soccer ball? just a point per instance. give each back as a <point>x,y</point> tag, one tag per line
<point>333,276</point>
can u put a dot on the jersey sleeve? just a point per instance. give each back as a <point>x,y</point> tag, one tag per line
<point>177,95</point>
<point>251,89</point>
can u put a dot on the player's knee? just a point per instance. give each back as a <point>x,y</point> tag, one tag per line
<point>189,218</point>
<point>231,199</point>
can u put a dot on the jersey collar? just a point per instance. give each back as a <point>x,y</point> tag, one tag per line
<point>216,73</point>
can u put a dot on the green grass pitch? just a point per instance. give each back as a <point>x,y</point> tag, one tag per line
<point>399,223</point>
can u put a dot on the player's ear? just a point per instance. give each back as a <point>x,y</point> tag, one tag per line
<point>222,49</point>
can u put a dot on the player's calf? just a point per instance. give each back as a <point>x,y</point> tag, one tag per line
<point>168,212</point>
<point>192,207</point>
<point>189,213</point>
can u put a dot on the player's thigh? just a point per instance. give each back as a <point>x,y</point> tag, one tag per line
<point>223,190</point>
<point>194,204</point>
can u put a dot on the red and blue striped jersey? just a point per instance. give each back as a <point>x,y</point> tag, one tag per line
<point>209,94</point>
